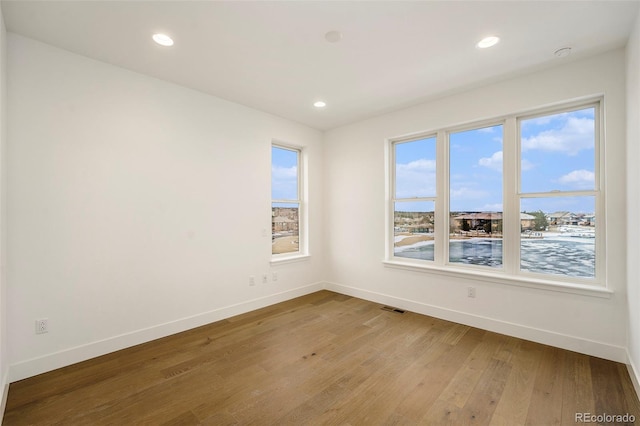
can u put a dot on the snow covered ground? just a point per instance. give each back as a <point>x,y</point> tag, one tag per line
<point>563,253</point>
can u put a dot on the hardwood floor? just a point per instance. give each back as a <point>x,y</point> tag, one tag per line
<point>326,358</point>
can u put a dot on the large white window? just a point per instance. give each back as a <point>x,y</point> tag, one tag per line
<point>286,201</point>
<point>518,197</point>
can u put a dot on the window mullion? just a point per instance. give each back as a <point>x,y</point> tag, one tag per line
<point>402,200</point>
<point>511,201</point>
<point>441,249</point>
<point>551,194</point>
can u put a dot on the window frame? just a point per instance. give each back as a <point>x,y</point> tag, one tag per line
<point>511,272</point>
<point>302,251</point>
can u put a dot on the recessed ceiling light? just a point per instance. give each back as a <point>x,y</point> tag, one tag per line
<point>563,52</point>
<point>319,104</point>
<point>488,42</point>
<point>333,36</point>
<point>163,39</point>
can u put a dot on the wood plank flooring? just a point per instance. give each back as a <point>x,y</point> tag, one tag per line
<point>328,359</point>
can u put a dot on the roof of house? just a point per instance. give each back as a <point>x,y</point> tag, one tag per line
<point>490,216</point>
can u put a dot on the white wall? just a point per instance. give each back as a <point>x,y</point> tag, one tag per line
<point>136,208</point>
<point>633,200</point>
<point>4,364</point>
<point>355,200</point>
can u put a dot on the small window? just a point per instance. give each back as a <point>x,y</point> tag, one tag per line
<point>285,200</point>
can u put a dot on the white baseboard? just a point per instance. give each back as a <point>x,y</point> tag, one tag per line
<point>49,362</point>
<point>5,394</point>
<point>563,341</point>
<point>634,373</point>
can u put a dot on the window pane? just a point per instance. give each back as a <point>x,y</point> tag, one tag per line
<point>284,174</point>
<point>558,152</point>
<point>413,224</point>
<point>475,198</point>
<point>415,168</point>
<point>285,221</point>
<point>558,236</point>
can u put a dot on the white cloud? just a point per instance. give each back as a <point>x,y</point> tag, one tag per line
<point>422,165</point>
<point>466,193</point>
<point>284,173</point>
<point>541,121</point>
<point>494,162</point>
<point>526,165</point>
<point>579,179</point>
<point>416,179</point>
<point>284,181</point>
<point>576,134</point>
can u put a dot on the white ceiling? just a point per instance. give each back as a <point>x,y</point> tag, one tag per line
<point>272,56</point>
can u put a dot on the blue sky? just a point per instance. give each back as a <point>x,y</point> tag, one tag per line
<point>284,174</point>
<point>557,154</point>
<point>475,170</point>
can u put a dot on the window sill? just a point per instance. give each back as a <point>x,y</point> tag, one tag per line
<point>289,259</point>
<point>564,287</point>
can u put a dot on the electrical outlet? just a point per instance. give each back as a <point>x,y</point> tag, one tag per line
<point>471,292</point>
<point>42,326</point>
<point>265,278</point>
<point>274,276</point>
<point>252,280</point>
